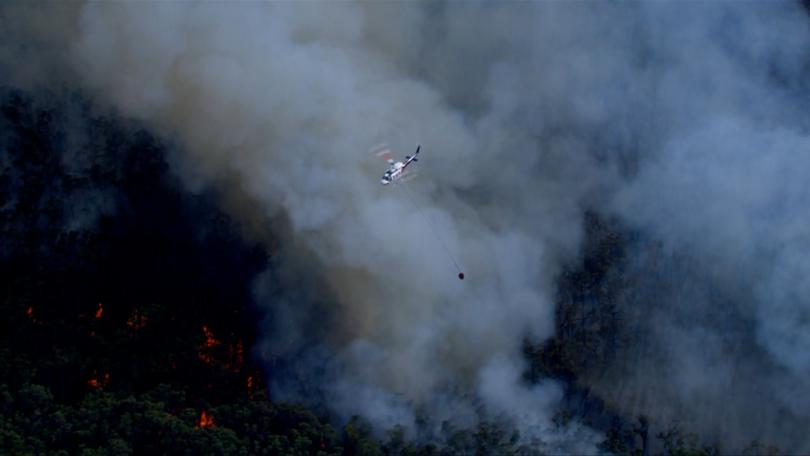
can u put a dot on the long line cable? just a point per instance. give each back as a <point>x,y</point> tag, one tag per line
<point>436,229</point>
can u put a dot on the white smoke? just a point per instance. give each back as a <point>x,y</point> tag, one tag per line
<point>278,103</point>
<point>685,120</point>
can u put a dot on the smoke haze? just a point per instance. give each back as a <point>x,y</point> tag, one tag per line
<point>683,120</point>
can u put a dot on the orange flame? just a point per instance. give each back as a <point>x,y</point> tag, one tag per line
<point>96,383</point>
<point>210,340</point>
<point>209,344</point>
<point>206,420</point>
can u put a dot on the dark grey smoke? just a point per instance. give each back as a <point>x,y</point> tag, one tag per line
<point>683,119</point>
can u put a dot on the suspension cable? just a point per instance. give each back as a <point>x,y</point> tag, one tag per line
<point>436,229</point>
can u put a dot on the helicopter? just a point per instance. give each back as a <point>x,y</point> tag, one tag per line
<point>396,169</point>
<point>398,172</point>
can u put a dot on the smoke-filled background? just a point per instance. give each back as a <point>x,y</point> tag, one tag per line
<point>682,122</point>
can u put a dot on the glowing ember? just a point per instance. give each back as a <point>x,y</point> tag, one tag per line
<point>136,321</point>
<point>99,311</point>
<point>96,383</point>
<point>206,420</point>
<point>250,386</point>
<point>210,343</point>
<point>30,313</point>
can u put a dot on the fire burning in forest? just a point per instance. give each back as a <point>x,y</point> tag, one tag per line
<point>97,382</point>
<point>210,351</point>
<point>206,420</point>
<point>208,345</point>
<point>210,340</point>
<point>99,311</point>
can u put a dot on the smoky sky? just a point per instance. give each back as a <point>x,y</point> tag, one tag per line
<point>683,120</point>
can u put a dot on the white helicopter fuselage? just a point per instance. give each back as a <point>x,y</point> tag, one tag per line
<point>393,173</point>
<point>398,169</point>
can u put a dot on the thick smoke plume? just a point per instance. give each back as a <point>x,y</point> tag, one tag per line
<point>683,120</point>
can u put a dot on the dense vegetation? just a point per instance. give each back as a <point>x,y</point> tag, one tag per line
<point>126,301</point>
<point>128,319</point>
<point>127,315</point>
